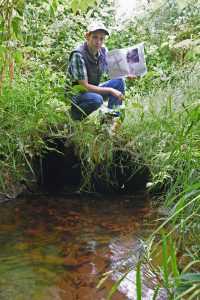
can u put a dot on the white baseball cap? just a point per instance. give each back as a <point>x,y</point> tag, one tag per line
<point>97,25</point>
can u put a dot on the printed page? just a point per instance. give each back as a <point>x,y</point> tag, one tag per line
<point>136,60</point>
<point>126,61</point>
<point>117,63</point>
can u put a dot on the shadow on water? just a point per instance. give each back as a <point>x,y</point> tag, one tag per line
<point>58,248</point>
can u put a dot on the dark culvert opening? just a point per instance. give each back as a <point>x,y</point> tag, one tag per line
<point>59,171</point>
<point>126,177</point>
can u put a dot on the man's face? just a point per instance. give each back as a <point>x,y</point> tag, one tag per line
<point>95,40</point>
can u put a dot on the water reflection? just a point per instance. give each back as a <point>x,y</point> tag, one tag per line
<point>126,251</point>
<point>58,248</point>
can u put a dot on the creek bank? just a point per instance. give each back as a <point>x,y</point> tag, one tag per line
<point>60,170</point>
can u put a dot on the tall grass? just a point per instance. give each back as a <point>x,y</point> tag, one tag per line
<point>179,250</point>
<point>163,133</point>
<point>160,131</point>
<point>26,120</point>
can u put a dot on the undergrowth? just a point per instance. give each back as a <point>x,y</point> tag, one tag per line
<point>26,121</point>
<point>164,133</point>
<point>160,131</point>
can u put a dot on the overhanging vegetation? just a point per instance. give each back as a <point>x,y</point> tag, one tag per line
<point>160,125</point>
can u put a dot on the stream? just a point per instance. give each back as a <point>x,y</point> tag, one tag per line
<point>59,247</point>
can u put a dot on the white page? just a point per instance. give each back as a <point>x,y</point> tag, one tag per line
<point>122,62</point>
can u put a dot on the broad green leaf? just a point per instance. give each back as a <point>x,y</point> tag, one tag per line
<point>78,88</point>
<point>3,36</point>
<point>20,9</point>
<point>65,100</point>
<point>190,55</point>
<point>164,45</point>
<point>84,5</point>
<point>2,25</point>
<point>89,13</point>
<point>28,49</point>
<point>18,56</point>
<point>55,5</point>
<point>122,115</point>
<point>16,25</point>
<point>3,48</point>
<point>136,105</point>
<point>74,6</point>
<point>20,38</point>
<point>59,89</point>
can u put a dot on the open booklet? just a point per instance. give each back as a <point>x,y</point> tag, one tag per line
<point>122,62</point>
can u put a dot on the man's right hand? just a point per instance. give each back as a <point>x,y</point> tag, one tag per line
<point>117,94</point>
<point>101,90</point>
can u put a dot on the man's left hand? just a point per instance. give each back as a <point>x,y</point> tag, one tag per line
<point>131,77</point>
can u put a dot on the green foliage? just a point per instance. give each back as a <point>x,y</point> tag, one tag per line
<point>54,39</point>
<point>145,26</point>
<point>162,133</point>
<point>40,31</point>
<point>28,112</point>
<point>159,125</point>
<point>95,149</point>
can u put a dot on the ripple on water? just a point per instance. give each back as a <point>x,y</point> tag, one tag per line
<point>59,248</point>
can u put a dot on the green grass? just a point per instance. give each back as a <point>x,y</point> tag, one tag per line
<point>26,120</point>
<point>160,131</point>
<point>163,133</point>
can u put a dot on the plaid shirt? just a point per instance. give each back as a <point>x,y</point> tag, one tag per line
<point>78,67</point>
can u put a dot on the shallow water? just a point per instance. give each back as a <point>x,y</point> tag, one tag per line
<point>58,248</point>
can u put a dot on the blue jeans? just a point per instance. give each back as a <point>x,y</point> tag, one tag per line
<point>89,102</point>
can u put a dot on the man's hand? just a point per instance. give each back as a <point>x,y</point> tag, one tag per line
<point>117,94</point>
<point>131,77</point>
<point>101,90</point>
